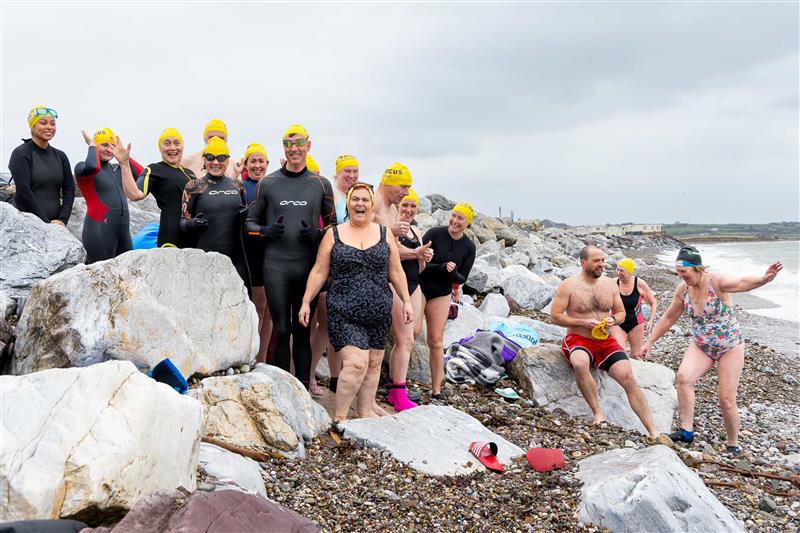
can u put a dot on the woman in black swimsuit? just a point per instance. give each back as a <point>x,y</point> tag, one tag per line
<point>361,262</point>
<point>633,291</point>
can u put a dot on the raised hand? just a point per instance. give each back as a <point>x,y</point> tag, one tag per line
<point>89,140</point>
<point>121,153</point>
<point>772,271</point>
<point>425,252</point>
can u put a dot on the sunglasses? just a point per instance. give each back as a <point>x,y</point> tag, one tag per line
<point>287,143</point>
<point>221,158</point>
<point>44,112</point>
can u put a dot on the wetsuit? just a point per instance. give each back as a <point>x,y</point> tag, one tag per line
<point>166,183</point>
<point>43,179</point>
<point>410,266</point>
<point>220,201</point>
<point>106,227</point>
<point>253,244</point>
<point>300,198</point>
<point>435,280</point>
<point>633,307</point>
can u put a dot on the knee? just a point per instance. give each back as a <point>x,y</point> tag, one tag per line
<point>435,343</point>
<point>727,401</point>
<point>627,382</point>
<point>358,364</point>
<point>582,368</point>
<point>375,363</point>
<point>280,328</point>
<point>683,379</point>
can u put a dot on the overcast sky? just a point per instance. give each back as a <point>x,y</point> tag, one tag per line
<point>581,113</point>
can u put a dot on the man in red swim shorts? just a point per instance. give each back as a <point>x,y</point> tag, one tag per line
<point>584,304</point>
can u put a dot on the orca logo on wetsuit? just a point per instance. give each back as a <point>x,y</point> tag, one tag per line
<point>230,191</point>
<point>294,202</point>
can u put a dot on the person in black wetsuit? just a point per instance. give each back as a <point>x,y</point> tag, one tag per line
<point>361,262</point>
<point>633,290</point>
<point>453,255</point>
<point>213,208</point>
<point>106,227</point>
<point>286,213</point>
<point>166,181</point>
<point>42,174</point>
<point>255,163</point>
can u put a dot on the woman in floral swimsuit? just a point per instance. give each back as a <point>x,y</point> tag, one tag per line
<point>716,337</point>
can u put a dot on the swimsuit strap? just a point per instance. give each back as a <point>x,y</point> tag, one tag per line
<point>383,233</point>
<point>335,234</point>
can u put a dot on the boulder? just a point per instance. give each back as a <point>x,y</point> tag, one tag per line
<point>221,511</point>
<point>145,305</point>
<point>141,214</point>
<point>468,321</point>
<point>501,231</point>
<point>545,375</point>
<point>547,332</point>
<point>431,439</point>
<point>32,250</point>
<point>495,305</point>
<point>518,258</point>
<point>484,276</point>
<point>81,442</point>
<point>228,470</point>
<point>7,304</point>
<point>441,216</point>
<point>648,490</point>
<point>425,221</point>
<point>439,202</point>
<point>483,233</point>
<point>267,408</point>
<point>525,288</point>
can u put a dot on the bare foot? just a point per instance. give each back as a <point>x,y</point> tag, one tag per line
<point>598,419</point>
<point>378,411</point>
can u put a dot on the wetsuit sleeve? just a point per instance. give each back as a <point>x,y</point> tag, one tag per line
<point>136,168</point>
<point>461,274</point>
<point>188,202</point>
<point>20,167</point>
<point>432,267</point>
<point>328,208</point>
<point>145,181</point>
<point>90,167</point>
<point>67,190</point>
<point>255,213</point>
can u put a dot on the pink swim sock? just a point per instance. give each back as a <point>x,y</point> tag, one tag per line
<point>398,397</point>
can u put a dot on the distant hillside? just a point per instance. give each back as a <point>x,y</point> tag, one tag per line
<point>773,230</point>
<point>547,223</point>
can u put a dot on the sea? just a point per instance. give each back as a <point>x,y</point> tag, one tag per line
<point>778,300</point>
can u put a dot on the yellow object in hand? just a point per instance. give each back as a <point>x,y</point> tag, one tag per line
<point>599,331</point>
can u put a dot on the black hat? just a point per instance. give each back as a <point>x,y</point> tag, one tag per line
<point>688,256</point>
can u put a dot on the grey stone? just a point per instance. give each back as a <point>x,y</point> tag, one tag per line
<point>231,470</point>
<point>31,250</point>
<point>545,375</point>
<point>142,306</point>
<point>484,276</point>
<point>439,202</point>
<point>469,320</point>
<point>629,490</point>
<point>527,289</point>
<point>431,439</point>
<point>425,221</point>
<point>767,505</point>
<point>495,305</point>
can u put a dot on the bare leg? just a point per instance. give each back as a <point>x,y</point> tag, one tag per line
<point>354,367</point>
<point>695,363</point>
<point>436,317</point>
<point>403,338</point>
<point>729,370</point>
<point>620,336</point>
<point>319,340</point>
<point>621,373</point>
<point>580,361</point>
<point>264,323</point>
<point>636,336</point>
<point>365,403</point>
<point>418,314</point>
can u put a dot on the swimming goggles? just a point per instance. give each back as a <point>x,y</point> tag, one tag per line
<point>288,143</point>
<point>43,112</point>
<point>221,157</point>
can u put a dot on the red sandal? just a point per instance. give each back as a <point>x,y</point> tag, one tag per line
<point>486,453</point>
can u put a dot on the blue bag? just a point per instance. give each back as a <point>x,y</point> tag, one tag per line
<point>166,372</point>
<point>146,238</point>
<point>521,334</point>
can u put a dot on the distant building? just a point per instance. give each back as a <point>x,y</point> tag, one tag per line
<point>612,230</point>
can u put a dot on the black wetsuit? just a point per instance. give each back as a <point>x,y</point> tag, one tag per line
<point>253,244</point>
<point>106,227</point>
<point>435,280</point>
<point>410,266</point>
<point>166,183</point>
<point>300,198</point>
<point>43,178</point>
<point>221,202</point>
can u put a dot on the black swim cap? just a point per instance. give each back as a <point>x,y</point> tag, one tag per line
<point>688,256</point>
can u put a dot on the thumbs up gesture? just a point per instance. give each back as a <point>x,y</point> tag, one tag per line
<point>425,252</point>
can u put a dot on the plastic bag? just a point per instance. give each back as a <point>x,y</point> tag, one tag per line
<point>146,238</point>
<point>521,334</point>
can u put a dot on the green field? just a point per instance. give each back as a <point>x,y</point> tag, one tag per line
<point>773,230</point>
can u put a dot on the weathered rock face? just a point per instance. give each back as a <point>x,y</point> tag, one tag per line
<point>495,305</point>
<point>432,439</point>
<point>142,306</point>
<point>230,470</point>
<point>439,202</point>
<point>648,490</point>
<point>141,214</point>
<point>31,250</point>
<point>543,372</point>
<point>469,319</point>
<point>525,288</point>
<point>222,511</point>
<point>92,440</point>
<point>266,408</point>
<point>484,275</point>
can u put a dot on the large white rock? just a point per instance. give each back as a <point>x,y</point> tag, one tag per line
<point>484,276</point>
<point>267,408</point>
<point>432,439</point>
<point>495,305</point>
<point>145,305</point>
<point>96,438</point>
<point>648,490</point>
<point>469,320</point>
<point>525,287</point>
<point>545,375</point>
<point>231,470</point>
<point>31,250</point>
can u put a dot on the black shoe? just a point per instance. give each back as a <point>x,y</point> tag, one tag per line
<point>439,398</point>
<point>414,395</point>
<point>734,450</point>
<point>682,436</point>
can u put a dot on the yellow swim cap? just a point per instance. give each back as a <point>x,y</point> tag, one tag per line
<point>295,129</point>
<point>311,165</point>
<point>215,124</point>
<point>466,210</point>
<point>38,112</point>
<point>397,174</point>
<point>627,264</point>
<point>346,160</point>
<point>412,195</point>
<point>216,146</point>
<point>105,135</point>
<point>255,148</point>
<point>169,132</point>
